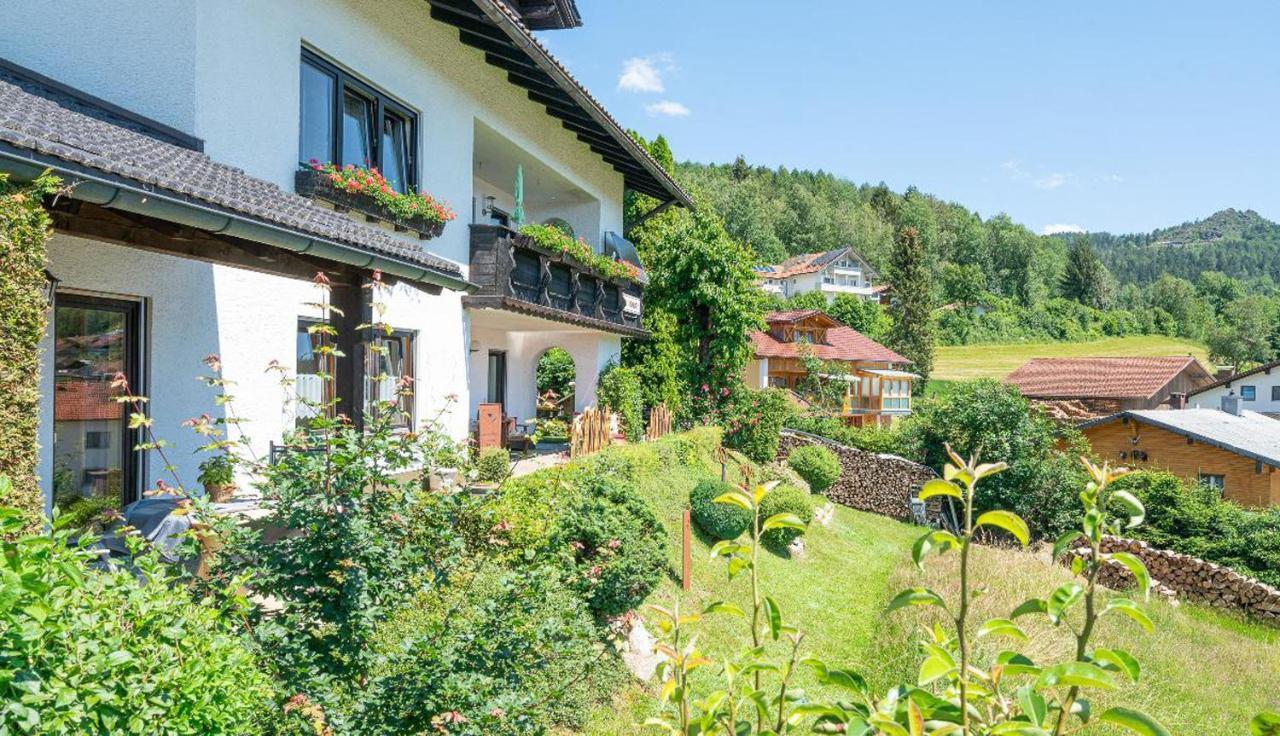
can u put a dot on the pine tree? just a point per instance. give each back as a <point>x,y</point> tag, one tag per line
<point>912,333</point>
<point>1084,275</point>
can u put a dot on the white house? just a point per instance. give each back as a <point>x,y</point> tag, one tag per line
<point>194,223</point>
<point>1258,390</point>
<point>833,272</point>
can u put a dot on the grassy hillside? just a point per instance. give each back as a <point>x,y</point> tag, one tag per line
<point>1206,671</point>
<point>961,362</point>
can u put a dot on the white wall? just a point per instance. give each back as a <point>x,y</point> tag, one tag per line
<point>1263,384</point>
<point>193,308</point>
<point>591,352</point>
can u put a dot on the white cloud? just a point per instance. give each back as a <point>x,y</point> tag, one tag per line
<point>1061,228</point>
<point>1015,170</point>
<point>670,108</point>
<point>644,73</point>
<point>1113,178</point>
<point>1052,181</point>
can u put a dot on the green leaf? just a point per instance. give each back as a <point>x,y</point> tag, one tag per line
<point>1064,542</point>
<point>724,607</point>
<point>1130,609</point>
<point>774,616</point>
<point>1032,704</point>
<point>1029,606</point>
<point>939,540</point>
<point>847,679</point>
<point>1121,660</point>
<point>1076,674</point>
<point>939,487</point>
<point>1134,720</point>
<point>915,597</point>
<point>1136,568</point>
<point>1008,521</point>
<point>1062,600</point>
<point>1132,506</point>
<point>1265,724</point>
<point>933,668</point>
<point>1001,627</point>
<point>734,498</point>
<point>783,521</point>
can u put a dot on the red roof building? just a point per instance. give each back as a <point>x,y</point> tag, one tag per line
<point>878,384</point>
<point>1083,388</point>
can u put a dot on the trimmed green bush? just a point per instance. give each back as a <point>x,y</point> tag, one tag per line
<point>88,651</point>
<point>493,465</point>
<point>619,389</point>
<point>752,422</point>
<point>613,545</point>
<point>720,520</point>
<point>817,465</point>
<point>785,500</point>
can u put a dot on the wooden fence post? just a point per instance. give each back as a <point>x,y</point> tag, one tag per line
<point>687,560</point>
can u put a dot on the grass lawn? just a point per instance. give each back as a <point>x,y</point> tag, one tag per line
<point>1203,671</point>
<point>961,362</point>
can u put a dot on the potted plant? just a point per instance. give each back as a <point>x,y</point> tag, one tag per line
<point>217,474</point>
<point>367,191</point>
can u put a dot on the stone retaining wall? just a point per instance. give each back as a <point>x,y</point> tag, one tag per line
<point>1175,575</point>
<point>880,484</point>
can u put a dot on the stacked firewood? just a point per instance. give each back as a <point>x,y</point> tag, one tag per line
<point>1176,575</point>
<point>880,484</point>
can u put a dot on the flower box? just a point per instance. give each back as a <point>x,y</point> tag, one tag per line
<point>317,184</point>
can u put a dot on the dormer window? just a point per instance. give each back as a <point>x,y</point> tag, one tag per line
<point>345,121</point>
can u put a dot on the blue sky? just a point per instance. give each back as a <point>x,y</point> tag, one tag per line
<point>1118,115</point>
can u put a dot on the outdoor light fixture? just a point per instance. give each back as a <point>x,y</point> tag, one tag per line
<point>488,205</point>
<point>50,287</point>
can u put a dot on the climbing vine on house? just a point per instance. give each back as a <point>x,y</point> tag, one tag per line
<point>24,231</point>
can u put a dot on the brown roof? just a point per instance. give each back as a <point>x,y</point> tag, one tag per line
<point>1100,378</point>
<point>83,401</point>
<point>809,263</point>
<point>795,315</point>
<point>843,343</point>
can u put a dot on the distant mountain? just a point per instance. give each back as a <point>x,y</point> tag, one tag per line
<point>1240,243</point>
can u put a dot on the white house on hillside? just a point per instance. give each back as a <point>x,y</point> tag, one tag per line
<point>833,272</point>
<point>196,220</point>
<point>1258,390</point>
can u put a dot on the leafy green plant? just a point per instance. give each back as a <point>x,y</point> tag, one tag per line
<point>752,420</point>
<point>552,238</point>
<point>619,390</point>
<point>783,474</point>
<point>612,544</point>
<point>217,470</point>
<point>553,430</point>
<point>720,520</point>
<point>818,465</point>
<point>792,502</point>
<point>115,650</point>
<point>493,465</point>
<point>371,183</point>
<point>872,438</point>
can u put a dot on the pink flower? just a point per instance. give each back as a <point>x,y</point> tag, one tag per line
<point>705,388</point>
<point>614,543</point>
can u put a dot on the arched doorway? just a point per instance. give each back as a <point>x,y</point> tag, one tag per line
<point>556,380</point>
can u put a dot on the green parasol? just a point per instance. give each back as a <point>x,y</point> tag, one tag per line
<point>518,215</point>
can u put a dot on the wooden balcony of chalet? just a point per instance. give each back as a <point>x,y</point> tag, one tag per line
<point>515,274</point>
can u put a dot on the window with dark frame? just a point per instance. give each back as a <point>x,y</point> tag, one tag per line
<point>386,374</point>
<point>1248,393</point>
<point>313,380</point>
<point>346,121</point>
<point>1275,393</point>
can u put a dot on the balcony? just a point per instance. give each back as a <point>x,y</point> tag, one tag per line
<point>516,274</point>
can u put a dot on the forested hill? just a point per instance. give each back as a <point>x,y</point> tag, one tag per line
<point>1239,243</point>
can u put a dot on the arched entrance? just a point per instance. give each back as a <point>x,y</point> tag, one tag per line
<point>556,381</point>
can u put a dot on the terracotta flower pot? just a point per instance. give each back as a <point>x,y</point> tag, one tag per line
<point>220,494</point>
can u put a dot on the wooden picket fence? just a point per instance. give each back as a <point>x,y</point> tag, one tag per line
<point>590,432</point>
<point>659,422</point>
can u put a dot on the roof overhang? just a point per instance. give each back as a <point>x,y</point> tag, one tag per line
<point>497,29</point>
<point>1200,437</point>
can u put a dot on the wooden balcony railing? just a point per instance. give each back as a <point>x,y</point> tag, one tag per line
<point>514,272</point>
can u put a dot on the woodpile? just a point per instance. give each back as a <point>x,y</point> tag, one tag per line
<point>1175,575</point>
<point>880,484</point>
<point>1074,411</point>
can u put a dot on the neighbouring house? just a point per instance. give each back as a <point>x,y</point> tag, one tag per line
<point>1257,388</point>
<point>195,219</point>
<point>1233,450</point>
<point>1074,389</point>
<point>832,272</point>
<point>878,384</point>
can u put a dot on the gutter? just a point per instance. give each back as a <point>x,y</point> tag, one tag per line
<point>116,193</point>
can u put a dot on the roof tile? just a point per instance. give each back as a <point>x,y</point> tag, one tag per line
<point>1098,378</point>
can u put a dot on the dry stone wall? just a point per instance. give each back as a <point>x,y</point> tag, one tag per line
<point>1176,575</point>
<point>880,484</point>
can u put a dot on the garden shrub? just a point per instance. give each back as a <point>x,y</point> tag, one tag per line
<point>884,440</point>
<point>619,389</point>
<point>1194,519</point>
<point>628,463</point>
<point>720,520</point>
<point>24,230</point>
<point>613,545</point>
<point>785,500</point>
<point>493,465</point>
<point>93,651</point>
<point>553,430</point>
<point>752,421</point>
<point>817,465</point>
<point>783,474</point>
<point>511,652</point>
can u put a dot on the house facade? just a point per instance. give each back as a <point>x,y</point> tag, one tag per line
<point>195,221</point>
<point>877,380</point>
<point>832,272</point>
<point>1078,389</point>
<point>1233,450</point>
<point>1258,390</point>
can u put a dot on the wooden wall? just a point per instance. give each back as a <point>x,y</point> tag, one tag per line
<point>1170,451</point>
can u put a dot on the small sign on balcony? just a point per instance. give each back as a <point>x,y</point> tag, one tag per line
<point>631,305</point>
